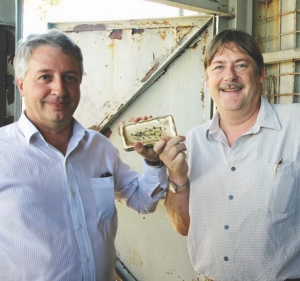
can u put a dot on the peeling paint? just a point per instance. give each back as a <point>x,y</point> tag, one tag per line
<point>89,27</point>
<point>163,35</point>
<point>202,95</point>
<point>150,72</point>
<point>116,34</point>
<point>137,31</point>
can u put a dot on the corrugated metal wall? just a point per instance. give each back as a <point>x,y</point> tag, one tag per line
<point>278,36</point>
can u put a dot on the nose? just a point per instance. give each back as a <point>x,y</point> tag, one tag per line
<point>58,87</point>
<point>230,74</point>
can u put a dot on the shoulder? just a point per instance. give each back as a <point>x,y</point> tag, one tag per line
<point>287,111</point>
<point>199,129</point>
<point>97,138</point>
<point>8,130</point>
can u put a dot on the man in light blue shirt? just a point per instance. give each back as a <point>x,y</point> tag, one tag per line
<point>58,180</point>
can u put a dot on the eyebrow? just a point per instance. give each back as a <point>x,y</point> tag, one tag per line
<point>222,61</point>
<point>45,70</point>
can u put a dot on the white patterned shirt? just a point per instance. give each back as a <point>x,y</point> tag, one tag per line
<point>245,224</point>
<point>58,218</point>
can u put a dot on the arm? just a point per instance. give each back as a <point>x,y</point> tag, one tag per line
<point>177,205</point>
<point>171,152</point>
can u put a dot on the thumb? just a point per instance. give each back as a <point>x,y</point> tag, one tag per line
<point>140,149</point>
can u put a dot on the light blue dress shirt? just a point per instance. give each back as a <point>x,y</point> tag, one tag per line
<point>58,218</point>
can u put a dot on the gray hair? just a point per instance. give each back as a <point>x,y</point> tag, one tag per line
<point>54,38</point>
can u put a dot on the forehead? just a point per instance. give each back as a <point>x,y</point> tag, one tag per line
<point>230,50</point>
<point>51,57</point>
<point>45,52</point>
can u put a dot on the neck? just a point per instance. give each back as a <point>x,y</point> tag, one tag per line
<point>234,124</point>
<point>58,137</point>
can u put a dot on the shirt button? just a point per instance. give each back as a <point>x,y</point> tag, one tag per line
<point>233,169</point>
<point>226,259</point>
<point>87,259</point>
<point>80,226</point>
<point>230,197</point>
<point>73,192</point>
<point>226,227</point>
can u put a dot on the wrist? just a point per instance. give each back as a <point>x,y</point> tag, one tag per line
<point>174,188</point>
<point>155,164</point>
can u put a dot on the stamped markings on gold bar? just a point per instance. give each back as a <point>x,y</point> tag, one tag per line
<point>148,131</point>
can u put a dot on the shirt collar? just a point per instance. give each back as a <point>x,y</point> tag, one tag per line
<point>266,117</point>
<point>29,130</point>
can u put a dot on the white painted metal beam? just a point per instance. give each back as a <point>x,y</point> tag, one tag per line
<point>282,56</point>
<point>220,8</point>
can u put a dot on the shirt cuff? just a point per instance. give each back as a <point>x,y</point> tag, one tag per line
<point>154,177</point>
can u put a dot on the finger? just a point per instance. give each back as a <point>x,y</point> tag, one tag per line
<point>160,145</point>
<point>177,152</point>
<point>139,148</point>
<point>139,118</point>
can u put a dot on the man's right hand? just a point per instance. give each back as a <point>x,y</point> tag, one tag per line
<point>172,152</point>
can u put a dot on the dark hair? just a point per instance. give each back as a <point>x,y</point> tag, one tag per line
<point>54,38</point>
<point>245,43</point>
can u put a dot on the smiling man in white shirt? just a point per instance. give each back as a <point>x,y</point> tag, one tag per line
<point>58,180</point>
<point>237,196</point>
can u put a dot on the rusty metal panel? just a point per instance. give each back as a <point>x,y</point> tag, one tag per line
<point>124,58</point>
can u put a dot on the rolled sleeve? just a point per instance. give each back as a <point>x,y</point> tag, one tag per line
<point>152,178</point>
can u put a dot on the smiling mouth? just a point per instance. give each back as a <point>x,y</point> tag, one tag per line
<point>58,104</point>
<point>231,89</point>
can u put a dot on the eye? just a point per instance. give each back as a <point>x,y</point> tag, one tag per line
<point>70,78</point>
<point>45,77</point>
<point>241,65</point>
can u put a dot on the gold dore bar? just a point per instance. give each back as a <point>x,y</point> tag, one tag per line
<point>148,132</point>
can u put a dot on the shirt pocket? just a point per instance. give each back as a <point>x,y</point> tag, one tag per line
<point>103,189</point>
<point>275,197</point>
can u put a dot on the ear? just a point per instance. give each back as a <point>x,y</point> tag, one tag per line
<point>20,85</point>
<point>262,76</point>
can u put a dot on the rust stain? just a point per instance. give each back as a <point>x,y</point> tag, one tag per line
<point>163,36</point>
<point>205,35</point>
<point>150,72</point>
<point>195,45</point>
<point>116,34</point>
<point>137,31</point>
<point>89,27</point>
<point>107,132</point>
<point>202,95</point>
<point>112,46</point>
<point>120,106</point>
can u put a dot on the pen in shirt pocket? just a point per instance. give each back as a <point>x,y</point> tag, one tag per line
<point>276,168</point>
<point>106,175</point>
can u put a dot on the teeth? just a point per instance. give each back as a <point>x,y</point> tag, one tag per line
<point>231,89</point>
